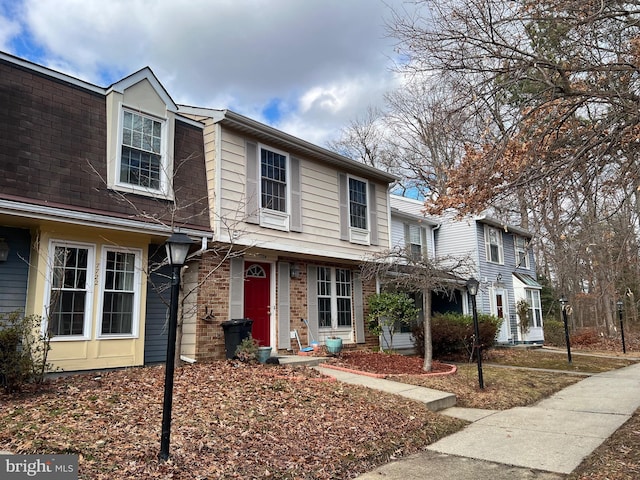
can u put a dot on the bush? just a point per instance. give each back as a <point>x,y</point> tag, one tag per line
<point>452,334</point>
<point>554,333</point>
<point>584,337</point>
<point>247,351</point>
<point>23,351</point>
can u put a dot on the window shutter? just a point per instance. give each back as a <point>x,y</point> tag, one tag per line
<point>407,238</point>
<point>284,306</point>
<point>236,288</point>
<point>295,224</point>
<point>252,200</point>
<point>373,214</point>
<point>312,300</point>
<point>344,206</point>
<point>358,307</point>
<point>423,240</point>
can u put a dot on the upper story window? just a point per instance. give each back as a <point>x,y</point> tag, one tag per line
<point>273,175</point>
<point>141,160</point>
<point>522,251</point>
<point>141,155</point>
<point>357,203</point>
<point>493,242</point>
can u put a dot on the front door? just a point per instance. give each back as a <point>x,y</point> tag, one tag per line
<point>500,311</point>
<point>257,297</point>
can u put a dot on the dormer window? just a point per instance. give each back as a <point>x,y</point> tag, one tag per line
<point>141,154</point>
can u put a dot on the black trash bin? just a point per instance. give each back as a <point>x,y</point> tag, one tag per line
<point>235,331</point>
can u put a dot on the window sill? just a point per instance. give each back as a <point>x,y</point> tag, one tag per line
<point>146,192</point>
<point>359,236</point>
<point>274,219</point>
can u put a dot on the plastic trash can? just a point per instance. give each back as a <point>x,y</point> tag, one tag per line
<point>235,331</point>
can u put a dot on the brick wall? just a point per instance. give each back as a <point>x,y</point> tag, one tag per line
<point>213,307</point>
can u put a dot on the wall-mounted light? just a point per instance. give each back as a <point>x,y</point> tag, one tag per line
<point>499,282</point>
<point>295,271</point>
<point>4,250</point>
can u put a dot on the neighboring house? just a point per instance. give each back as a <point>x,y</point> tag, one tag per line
<point>300,220</point>
<point>504,265</point>
<point>93,181</point>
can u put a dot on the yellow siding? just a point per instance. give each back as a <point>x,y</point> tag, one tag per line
<point>93,353</point>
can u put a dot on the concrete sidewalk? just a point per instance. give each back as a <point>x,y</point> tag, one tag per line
<point>435,400</point>
<point>545,441</point>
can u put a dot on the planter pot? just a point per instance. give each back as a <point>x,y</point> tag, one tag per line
<point>263,354</point>
<point>333,345</point>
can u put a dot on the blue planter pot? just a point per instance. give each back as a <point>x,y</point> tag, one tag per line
<point>333,345</point>
<point>263,354</point>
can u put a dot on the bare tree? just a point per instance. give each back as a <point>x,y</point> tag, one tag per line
<point>401,270</point>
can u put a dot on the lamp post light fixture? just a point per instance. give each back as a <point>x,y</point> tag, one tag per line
<point>564,302</point>
<point>472,289</point>
<point>620,305</point>
<point>177,246</point>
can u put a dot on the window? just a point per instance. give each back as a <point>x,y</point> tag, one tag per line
<point>70,295</point>
<point>522,252</point>
<point>535,309</point>
<point>493,240</point>
<point>119,293</point>
<point>141,162</point>
<point>415,242</point>
<point>357,204</point>
<point>273,168</point>
<point>334,298</point>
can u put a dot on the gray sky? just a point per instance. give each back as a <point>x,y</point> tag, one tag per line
<point>307,67</point>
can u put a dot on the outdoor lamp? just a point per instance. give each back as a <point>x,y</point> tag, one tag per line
<point>177,249</point>
<point>4,250</point>
<point>472,288</point>
<point>620,305</point>
<point>177,246</point>
<point>564,302</point>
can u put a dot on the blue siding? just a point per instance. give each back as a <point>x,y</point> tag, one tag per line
<point>158,298</point>
<point>14,273</point>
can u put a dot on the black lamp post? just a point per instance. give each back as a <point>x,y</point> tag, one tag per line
<point>564,302</point>
<point>620,304</point>
<point>472,289</point>
<point>177,249</point>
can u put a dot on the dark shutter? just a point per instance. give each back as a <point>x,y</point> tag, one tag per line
<point>284,306</point>
<point>252,200</point>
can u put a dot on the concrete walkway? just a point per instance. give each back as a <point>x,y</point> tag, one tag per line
<point>434,399</point>
<point>545,441</point>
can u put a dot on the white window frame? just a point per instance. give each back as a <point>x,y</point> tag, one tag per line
<point>521,251</point>
<point>419,231</point>
<point>165,165</point>
<point>137,286</point>
<point>357,234</point>
<point>487,239</point>
<point>334,296</point>
<point>535,306</point>
<point>89,290</point>
<point>271,218</point>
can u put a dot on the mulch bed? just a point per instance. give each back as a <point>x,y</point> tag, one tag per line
<point>387,364</point>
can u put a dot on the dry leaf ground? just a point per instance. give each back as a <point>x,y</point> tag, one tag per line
<point>229,421</point>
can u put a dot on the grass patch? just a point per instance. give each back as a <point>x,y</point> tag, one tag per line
<point>555,360</point>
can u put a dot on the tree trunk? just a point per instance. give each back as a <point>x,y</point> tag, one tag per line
<point>428,347</point>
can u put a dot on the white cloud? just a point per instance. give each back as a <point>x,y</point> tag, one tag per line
<point>322,61</point>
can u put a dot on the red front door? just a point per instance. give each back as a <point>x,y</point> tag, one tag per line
<point>256,300</point>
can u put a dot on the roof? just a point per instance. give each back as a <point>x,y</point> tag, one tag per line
<point>288,142</point>
<point>494,222</point>
<point>410,209</point>
<point>528,280</point>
